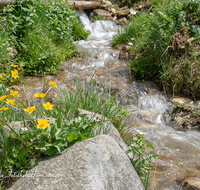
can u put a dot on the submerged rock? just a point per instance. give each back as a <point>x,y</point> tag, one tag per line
<point>93,164</point>
<point>191,183</point>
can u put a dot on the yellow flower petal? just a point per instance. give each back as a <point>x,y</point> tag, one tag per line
<point>30,109</point>
<point>14,74</point>
<point>9,96</point>
<point>1,76</point>
<point>10,102</point>
<point>14,93</point>
<point>13,136</point>
<point>39,95</point>
<point>14,66</point>
<point>2,97</point>
<point>4,109</point>
<point>42,124</point>
<point>48,106</point>
<point>53,84</point>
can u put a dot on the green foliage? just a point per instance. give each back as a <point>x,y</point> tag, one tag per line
<point>180,108</point>
<point>62,133</point>
<point>15,157</point>
<point>155,54</point>
<point>64,127</point>
<point>4,44</point>
<point>141,159</point>
<point>42,33</point>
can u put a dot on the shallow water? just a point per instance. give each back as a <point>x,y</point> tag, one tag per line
<point>179,151</point>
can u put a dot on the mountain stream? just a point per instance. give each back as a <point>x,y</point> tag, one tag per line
<point>178,150</point>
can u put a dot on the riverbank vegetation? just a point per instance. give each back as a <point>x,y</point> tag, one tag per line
<point>30,131</point>
<point>37,36</point>
<point>165,41</point>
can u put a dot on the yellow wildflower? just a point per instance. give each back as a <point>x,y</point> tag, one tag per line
<point>14,74</point>
<point>48,106</point>
<point>13,136</point>
<point>30,109</point>
<point>10,102</point>
<point>39,95</point>
<point>42,124</point>
<point>2,98</point>
<point>52,84</point>
<point>14,66</point>
<point>1,76</point>
<point>14,93</point>
<point>19,69</point>
<point>4,109</point>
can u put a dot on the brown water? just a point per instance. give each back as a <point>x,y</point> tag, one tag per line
<point>179,151</point>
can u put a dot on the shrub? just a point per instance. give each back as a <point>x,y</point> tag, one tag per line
<point>42,33</point>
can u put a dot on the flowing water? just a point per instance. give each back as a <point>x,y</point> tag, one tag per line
<point>179,151</point>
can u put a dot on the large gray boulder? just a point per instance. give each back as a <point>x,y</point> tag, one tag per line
<point>94,164</point>
<point>107,127</point>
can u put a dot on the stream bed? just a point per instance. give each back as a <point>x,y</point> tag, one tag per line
<point>178,150</point>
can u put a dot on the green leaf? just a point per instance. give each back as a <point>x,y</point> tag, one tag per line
<point>23,152</point>
<point>8,159</point>
<point>72,130</point>
<point>60,134</point>
<point>72,137</point>
<point>60,146</point>
<point>28,18</point>
<point>18,165</point>
<point>41,146</point>
<point>50,151</point>
<point>164,16</point>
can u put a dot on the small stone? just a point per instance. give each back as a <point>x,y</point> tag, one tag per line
<point>113,11</point>
<point>122,13</point>
<point>101,73</point>
<point>121,21</point>
<point>191,183</point>
<point>180,101</point>
<point>133,12</point>
<point>107,4</point>
<point>139,7</point>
